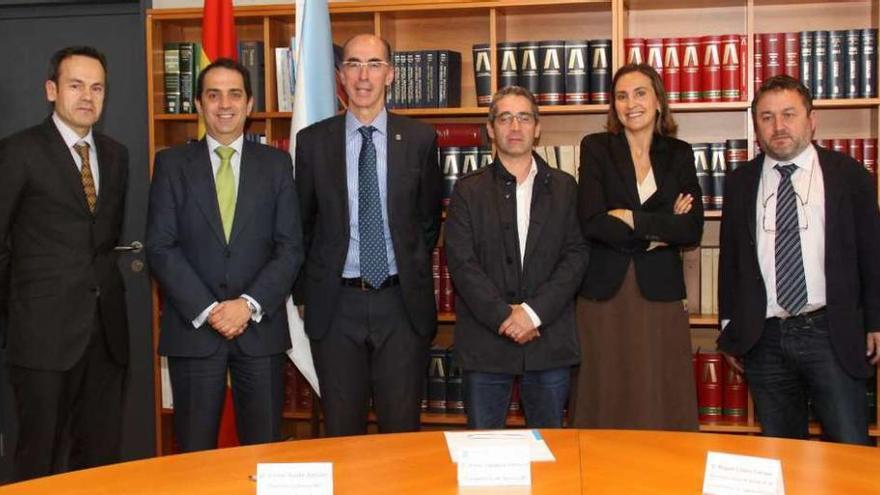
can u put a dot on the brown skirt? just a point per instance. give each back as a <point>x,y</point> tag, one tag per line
<point>636,370</point>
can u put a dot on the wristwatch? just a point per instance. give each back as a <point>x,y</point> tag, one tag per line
<point>251,306</point>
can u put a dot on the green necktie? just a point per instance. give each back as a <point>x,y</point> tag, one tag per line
<point>225,183</point>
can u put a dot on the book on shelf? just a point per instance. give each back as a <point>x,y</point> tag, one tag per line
<point>250,55</point>
<point>427,79</point>
<point>557,72</point>
<point>437,377</point>
<point>710,391</point>
<point>171,57</point>
<point>833,64</point>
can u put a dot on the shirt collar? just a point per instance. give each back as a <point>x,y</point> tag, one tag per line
<point>352,124</point>
<point>804,160</point>
<point>213,144</point>
<point>69,136</point>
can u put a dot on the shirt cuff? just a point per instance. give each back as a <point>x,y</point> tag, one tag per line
<point>532,315</point>
<point>724,324</point>
<point>258,314</point>
<point>200,320</point>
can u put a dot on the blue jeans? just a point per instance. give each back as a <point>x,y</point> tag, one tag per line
<point>543,395</point>
<point>793,362</point>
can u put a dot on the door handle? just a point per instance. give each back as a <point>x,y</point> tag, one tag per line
<point>134,247</point>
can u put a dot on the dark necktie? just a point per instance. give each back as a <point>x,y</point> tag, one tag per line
<point>374,258</point>
<point>791,283</point>
<point>85,175</point>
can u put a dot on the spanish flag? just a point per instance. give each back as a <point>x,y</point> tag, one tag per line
<point>218,37</point>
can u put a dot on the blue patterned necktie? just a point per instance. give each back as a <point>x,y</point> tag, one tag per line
<point>373,254</point>
<point>791,283</point>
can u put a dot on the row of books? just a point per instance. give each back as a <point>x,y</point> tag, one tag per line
<point>722,393</point>
<point>713,161</point>
<point>862,150</point>
<point>833,64</point>
<point>285,75</point>
<point>696,68</point>
<point>443,391</point>
<point>425,79</point>
<point>700,265</point>
<point>557,72</point>
<point>181,74</point>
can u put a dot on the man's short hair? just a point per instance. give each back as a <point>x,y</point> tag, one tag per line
<point>388,51</point>
<point>512,91</point>
<point>70,51</point>
<point>783,82</point>
<point>225,63</point>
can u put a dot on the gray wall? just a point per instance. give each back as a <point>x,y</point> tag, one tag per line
<point>29,36</point>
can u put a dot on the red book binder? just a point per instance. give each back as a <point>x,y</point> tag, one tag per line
<point>710,395</point>
<point>304,397</point>
<point>447,293</point>
<point>857,149</point>
<point>635,50</point>
<point>654,56</point>
<point>459,135</point>
<point>731,68</point>
<point>710,68</point>
<point>690,70</point>
<point>841,145</point>
<point>771,47</point>
<point>736,396</point>
<point>759,62</point>
<point>869,154</point>
<point>671,69</point>
<point>743,67</point>
<point>792,54</point>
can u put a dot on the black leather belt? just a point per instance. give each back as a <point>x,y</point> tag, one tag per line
<point>801,317</point>
<point>362,284</point>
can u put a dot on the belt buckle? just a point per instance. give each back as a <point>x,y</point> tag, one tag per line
<point>364,286</point>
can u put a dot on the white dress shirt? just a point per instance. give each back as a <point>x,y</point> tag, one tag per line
<point>809,186</point>
<point>235,162</point>
<point>524,191</point>
<point>71,138</point>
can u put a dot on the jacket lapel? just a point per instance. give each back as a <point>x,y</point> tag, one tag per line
<point>61,155</point>
<point>540,207</point>
<point>659,162</point>
<point>200,178</point>
<point>248,188</point>
<point>396,146</point>
<point>752,183</point>
<point>106,173</point>
<point>833,190</point>
<point>624,165</point>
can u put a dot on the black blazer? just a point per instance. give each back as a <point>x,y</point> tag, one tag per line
<point>56,258</point>
<point>414,201</point>
<point>194,264</point>
<point>608,181</point>
<point>852,260</point>
<point>482,249</point>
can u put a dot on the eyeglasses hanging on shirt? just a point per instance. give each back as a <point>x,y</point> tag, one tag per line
<point>769,226</point>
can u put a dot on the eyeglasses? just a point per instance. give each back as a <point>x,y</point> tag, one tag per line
<point>522,118</point>
<point>800,205</point>
<point>357,65</point>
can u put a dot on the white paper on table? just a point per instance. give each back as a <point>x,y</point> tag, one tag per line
<point>295,478</point>
<point>538,449</point>
<point>498,464</point>
<point>732,474</point>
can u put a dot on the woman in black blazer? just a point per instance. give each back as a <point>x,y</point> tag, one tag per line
<point>637,208</point>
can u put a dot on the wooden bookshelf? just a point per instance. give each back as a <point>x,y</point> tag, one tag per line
<point>458,24</point>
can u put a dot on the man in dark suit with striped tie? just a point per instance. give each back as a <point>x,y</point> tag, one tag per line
<point>799,275</point>
<point>62,202</point>
<point>369,187</point>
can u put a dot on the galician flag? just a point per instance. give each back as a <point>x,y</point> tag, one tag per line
<point>218,38</point>
<point>314,99</point>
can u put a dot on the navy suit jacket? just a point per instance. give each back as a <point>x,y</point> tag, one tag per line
<point>414,190</point>
<point>194,264</point>
<point>852,265</point>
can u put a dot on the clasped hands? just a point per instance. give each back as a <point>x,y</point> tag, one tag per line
<point>230,318</point>
<point>519,326</point>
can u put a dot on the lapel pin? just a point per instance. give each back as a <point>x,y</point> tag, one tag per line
<point>397,137</point>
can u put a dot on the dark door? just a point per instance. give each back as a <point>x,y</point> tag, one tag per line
<point>30,34</point>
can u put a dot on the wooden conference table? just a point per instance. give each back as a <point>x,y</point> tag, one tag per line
<point>587,461</point>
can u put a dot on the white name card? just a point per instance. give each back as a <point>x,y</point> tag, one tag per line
<point>505,464</point>
<point>731,474</point>
<point>295,478</point>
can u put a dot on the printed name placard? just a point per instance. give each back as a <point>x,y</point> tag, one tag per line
<point>505,464</point>
<point>731,474</point>
<point>295,478</point>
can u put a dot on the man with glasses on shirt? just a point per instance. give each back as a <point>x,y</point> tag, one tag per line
<point>369,187</point>
<point>799,275</point>
<point>516,256</point>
